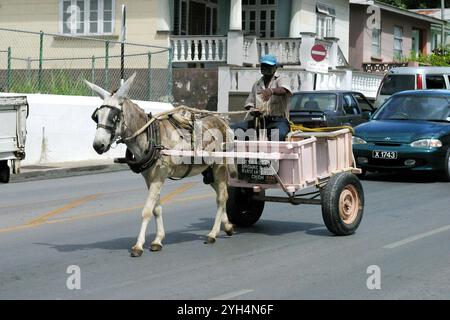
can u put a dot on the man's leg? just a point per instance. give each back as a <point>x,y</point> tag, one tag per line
<point>278,129</point>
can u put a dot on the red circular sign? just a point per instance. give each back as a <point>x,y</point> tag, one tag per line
<point>318,52</point>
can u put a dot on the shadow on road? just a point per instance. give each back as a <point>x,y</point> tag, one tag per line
<point>196,232</point>
<point>405,177</point>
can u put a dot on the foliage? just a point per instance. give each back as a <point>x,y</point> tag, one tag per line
<point>439,58</point>
<point>416,4</point>
<point>55,83</point>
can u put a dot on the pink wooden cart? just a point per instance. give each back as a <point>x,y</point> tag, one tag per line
<point>320,160</point>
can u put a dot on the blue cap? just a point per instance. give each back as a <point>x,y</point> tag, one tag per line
<point>269,59</point>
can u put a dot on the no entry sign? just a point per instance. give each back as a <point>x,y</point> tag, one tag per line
<point>318,52</point>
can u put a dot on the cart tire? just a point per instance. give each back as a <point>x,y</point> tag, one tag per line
<point>342,204</point>
<point>4,172</point>
<point>242,210</point>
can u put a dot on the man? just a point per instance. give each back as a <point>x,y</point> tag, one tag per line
<point>270,96</point>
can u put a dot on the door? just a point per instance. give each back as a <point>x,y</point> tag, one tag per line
<point>351,112</point>
<point>259,18</point>
<point>415,37</point>
<point>197,18</point>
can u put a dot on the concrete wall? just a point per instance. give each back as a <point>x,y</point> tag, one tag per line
<point>60,128</point>
<point>196,87</point>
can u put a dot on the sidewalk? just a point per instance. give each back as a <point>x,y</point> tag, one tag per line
<point>66,169</point>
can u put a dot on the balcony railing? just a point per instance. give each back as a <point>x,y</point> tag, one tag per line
<point>366,83</point>
<point>286,49</point>
<point>190,49</point>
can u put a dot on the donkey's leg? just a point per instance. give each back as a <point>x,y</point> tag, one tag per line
<point>147,213</point>
<point>220,187</point>
<point>160,234</point>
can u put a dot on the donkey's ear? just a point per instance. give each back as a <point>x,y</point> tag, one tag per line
<point>122,93</point>
<point>102,93</point>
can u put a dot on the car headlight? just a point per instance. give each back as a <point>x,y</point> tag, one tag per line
<point>358,140</point>
<point>426,143</point>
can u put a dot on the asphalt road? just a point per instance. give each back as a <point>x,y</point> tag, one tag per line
<point>92,221</point>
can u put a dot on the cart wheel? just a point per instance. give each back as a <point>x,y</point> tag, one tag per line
<point>4,172</point>
<point>242,209</point>
<point>342,204</point>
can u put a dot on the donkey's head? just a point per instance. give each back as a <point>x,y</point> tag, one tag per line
<point>109,116</point>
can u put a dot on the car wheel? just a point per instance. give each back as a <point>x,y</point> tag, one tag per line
<point>4,172</point>
<point>447,166</point>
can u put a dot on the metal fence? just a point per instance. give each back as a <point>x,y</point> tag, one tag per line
<point>38,62</point>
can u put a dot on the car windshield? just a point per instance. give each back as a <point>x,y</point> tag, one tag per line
<point>414,107</point>
<point>397,82</point>
<point>313,102</point>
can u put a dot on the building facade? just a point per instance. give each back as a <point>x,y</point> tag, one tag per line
<point>398,34</point>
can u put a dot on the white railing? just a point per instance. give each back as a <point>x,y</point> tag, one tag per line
<point>366,83</point>
<point>286,50</point>
<point>199,48</point>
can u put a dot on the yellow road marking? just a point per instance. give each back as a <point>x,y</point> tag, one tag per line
<point>124,210</point>
<point>44,219</point>
<point>73,204</point>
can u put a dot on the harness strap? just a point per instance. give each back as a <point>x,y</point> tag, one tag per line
<point>151,155</point>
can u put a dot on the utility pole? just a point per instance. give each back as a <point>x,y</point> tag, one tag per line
<point>123,31</point>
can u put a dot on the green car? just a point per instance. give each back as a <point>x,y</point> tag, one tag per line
<point>410,131</point>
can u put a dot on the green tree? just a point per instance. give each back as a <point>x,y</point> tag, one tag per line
<point>416,4</point>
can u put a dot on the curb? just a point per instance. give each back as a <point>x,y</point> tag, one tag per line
<point>67,172</point>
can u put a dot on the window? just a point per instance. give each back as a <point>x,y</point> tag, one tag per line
<point>364,105</point>
<point>376,43</point>
<point>313,102</point>
<point>259,17</point>
<point>87,16</point>
<point>325,21</point>
<point>398,42</point>
<point>197,17</point>
<point>350,105</point>
<point>435,82</point>
<point>396,83</point>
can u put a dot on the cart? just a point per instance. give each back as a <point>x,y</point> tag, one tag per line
<point>322,160</point>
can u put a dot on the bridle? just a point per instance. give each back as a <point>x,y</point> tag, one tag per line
<point>115,116</point>
<point>153,136</point>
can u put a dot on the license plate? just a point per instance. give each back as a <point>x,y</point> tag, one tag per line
<point>384,155</point>
<point>256,173</point>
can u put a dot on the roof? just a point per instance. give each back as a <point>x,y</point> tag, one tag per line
<point>325,91</point>
<point>435,13</point>
<point>433,92</point>
<point>391,8</point>
<point>414,70</point>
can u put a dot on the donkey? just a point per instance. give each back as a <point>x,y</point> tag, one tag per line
<point>119,120</point>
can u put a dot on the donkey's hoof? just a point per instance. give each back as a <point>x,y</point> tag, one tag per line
<point>210,240</point>
<point>229,232</point>
<point>155,247</point>
<point>136,252</point>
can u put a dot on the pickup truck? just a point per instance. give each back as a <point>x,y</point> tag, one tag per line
<point>13,115</point>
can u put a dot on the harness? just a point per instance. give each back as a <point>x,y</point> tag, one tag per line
<point>151,154</point>
<point>152,129</point>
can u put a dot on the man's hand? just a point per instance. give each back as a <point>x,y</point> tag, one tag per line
<point>266,94</point>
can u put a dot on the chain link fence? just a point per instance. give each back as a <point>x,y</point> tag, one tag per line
<point>38,62</point>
